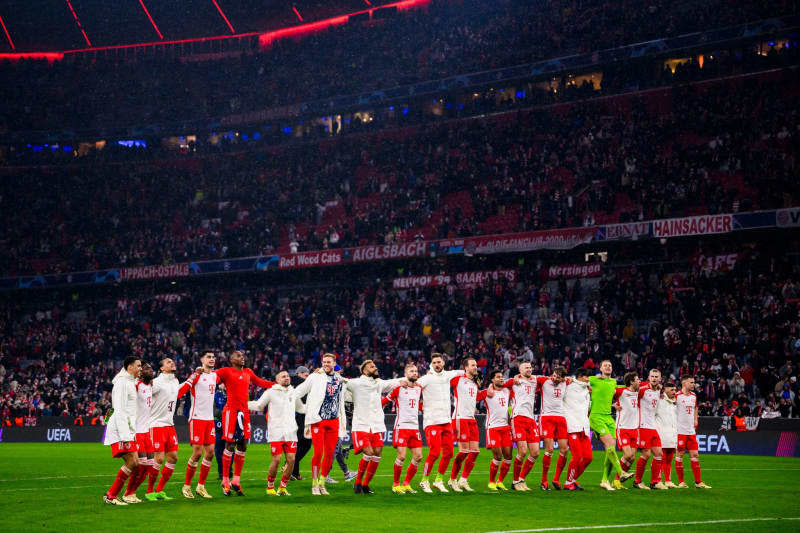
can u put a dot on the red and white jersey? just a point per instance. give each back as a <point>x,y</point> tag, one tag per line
<point>497,408</point>
<point>628,412</point>
<point>203,397</point>
<point>466,396</point>
<point>686,405</point>
<point>166,391</point>
<point>144,397</point>
<point>406,402</point>
<point>552,396</point>
<point>523,397</point>
<point>648,405</point>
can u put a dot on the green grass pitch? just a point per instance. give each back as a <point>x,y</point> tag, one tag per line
<point>59,487</point>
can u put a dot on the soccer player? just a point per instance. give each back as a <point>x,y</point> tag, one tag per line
<point>282,403</point>
<point>325,418</point>
<point>553,423</point>
<point>203,385</point>
<point>439,432</point>
<point>524,430</point>
<point>604,388</point>
<point>576,412</point>
<point>144,394</point>
<point>166,391</point>
<point>121,428</point>
<point>686,402</point>
<point>498,430</point>
<point>465,391</point>
<point>236,418</point>
<point>649,441</point>
<point>303,444</point>
<point>667,431</point>
<point>368,421</point>
<point>407,404</point>
<point>628,422</point>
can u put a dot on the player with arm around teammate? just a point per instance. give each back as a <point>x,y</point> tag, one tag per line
<point>121,428</point>
<point>498,429</point>
<point>406,435</point>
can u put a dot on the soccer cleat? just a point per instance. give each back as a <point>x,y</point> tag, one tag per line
<point>556,485</point>
<point>425,486</point>
<point>366,490</point>
<point>356,488</point>
<point>315,490</point>
<point>670,485</point>
<point>501,486</point>
<point>606,485</point>
<point>112,501</point>
<point>570,486</point>
<point>439,484</point>
<point>641,486</point>
<point>701,485</point>
<point>683,485</point>
<point>187,492</point>
<point>453,484</point>
<point>226,488</point>
<point>131,498</point>
<point>329,479</point>
<point>519,486</point>
<point>162,496</point>
<point>150,496</point>
<point>272,491</point>
<point>463,484</point>
<point>283,492</point>
<point>492,486</point>
<point>577,487</point>
<point>618,485</point>
<point>298,478</point>
<point>350,476</point>
<point>322,490</point>
<point>408,489</point>
<point>626,476</point>
<point>201,491</point>
<point>544,486</point>
<point>525,486</point>
<point>237,489</point>
<point>397,489</point>
<point>658,486</point>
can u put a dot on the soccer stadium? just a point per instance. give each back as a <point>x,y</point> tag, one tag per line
<point>407,266</point>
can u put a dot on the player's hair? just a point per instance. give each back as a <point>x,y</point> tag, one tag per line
<point>629,378</point>
<point>560,371</point>
<point>131,359</point>
<point>669,383</point>
<point>523,363</point>
<point>494,372</point>
<point>436,355</point>
<point>279,372</point>
<point>654,370</point>
<point>364,365</point>
<point>240,352</point>
<point>466,360</point>
<point>604,360</point>
<point>581,373</point>
<point>161,361</point>
<point>207,351</point>
<point>685,377</point>
<point>328,354</point>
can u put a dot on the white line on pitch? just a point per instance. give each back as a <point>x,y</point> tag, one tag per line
<point>646,524</point>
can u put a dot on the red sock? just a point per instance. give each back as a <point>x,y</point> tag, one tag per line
<point>119,482</point>
<point>285,479</point>
<point>585,462</point>
<point>153,476</point>
<point>560,464</point>
<point>362,468</point>
<point>469,464</point>
<point>205,468</point>
<point>372,467</point>
<point>428,467</point>
<point>191,468</point>
<point>517,468</point>
<point>135,479</point>
<point>227,457</point>
<point>398,471</point>
<point>238,464</point>
<point>493,470</point>
<point>457,462</point>
<point>527,466</point>
<point>625,465</point>
<point>641,462</point>
<point>545,466</point>
<point>695,462</point>
<point>666,466</point>
<point>574,465</point>
<point>679,469</point>
<point>445,462</point>
<point>504,470</point>
<point>410,473</point>
<point>655,470</point>
<point>166,473</point>
<point>270,481</point>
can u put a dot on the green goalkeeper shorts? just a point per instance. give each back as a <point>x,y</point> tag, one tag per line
<point>603,425</point>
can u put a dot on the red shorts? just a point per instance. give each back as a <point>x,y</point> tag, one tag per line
<point>283,446</point>
<point>648,438</point>
<point>498,437</point>
<point>145,443</point>
<point>466,429</point>
<point>201,432</point>
<point>362,439</point>
<point>406,438</point>
<point>687,442</point>
<point>627,438</point>
<point>235,425</point>
<point>164,439</point>
<point>440,437</point>
<point>580,444</point>
<point>118,449</point>
<point>554,427</point>
<point>524,429</point>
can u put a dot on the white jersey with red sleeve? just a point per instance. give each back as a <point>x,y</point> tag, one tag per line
<point>648,405</point>
<point>406,402</point>
<point>686,405</point>
<point>144,397</point>
<point>497,408</point>
<point>628,412</point>
<point>203,396</point>
<point>465,391</point>
<point>552,396</point>
<point>523,397</point>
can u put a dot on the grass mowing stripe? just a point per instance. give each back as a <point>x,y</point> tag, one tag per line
<point>646,524</point>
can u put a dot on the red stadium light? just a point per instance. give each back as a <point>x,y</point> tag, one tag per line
<point>78,22</point>
<point>8,35</point>
<point>222,13</point>
<point>153,22</point>
<point>49,56</point>
<point>296,12</point>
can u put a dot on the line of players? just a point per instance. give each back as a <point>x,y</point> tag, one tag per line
<point>142,433</point>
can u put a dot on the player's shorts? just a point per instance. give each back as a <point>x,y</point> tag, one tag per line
<point>164,439</point>
<point>362,439</point>
<point>440,437</point>
<point>201,432</point>
<point>687,442</point>
<point>466,430</point>
<point>627,437</point>
<point>648,438</point>
<point>408,438</point>
<point>235,425</point>
<point>118,449</point>
<point>499,437</point>
<point>283,446</point>
<point>602,425</point>
<point>580,444</point>
<point>145,443</point>
<point>554,427</point>
<point>524,429</point>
